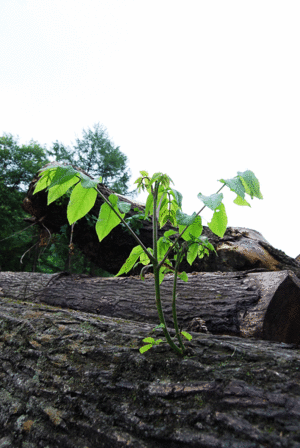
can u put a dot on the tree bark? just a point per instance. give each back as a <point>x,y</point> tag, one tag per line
<point>263,305</point>
<point>239,249</point>
<point>75,380</point>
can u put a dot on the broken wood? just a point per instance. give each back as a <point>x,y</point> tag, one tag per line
<point>239,249</point>
<point>264,305</point>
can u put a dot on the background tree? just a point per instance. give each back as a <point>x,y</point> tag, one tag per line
<point>18,165</point>
<point>98,156</point>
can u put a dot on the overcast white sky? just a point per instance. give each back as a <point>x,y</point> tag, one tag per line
<point>196,89</point>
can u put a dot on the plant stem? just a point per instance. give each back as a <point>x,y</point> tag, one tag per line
<point>179,257</point>
<point>154,220</point>
<point>161,314</point>
<point>125,223</point>
<point>156,269</point>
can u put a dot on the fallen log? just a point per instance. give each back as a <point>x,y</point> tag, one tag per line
<point>76,380</point>
<point>264,305</point>
<point>239,249</point>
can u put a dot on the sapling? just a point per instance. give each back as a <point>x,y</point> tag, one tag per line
<point>163,205</point>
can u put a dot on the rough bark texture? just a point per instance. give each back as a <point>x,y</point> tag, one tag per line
<point>239,249</point>
<point>263,305</point>
<point>75,380</point>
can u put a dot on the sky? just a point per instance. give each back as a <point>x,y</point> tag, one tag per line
<point>196,89</point>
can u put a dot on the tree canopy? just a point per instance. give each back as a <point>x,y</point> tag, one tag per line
<point>18,165</point>
<point>98,156</point>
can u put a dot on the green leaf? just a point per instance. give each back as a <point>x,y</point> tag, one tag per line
<point>165,216</point>
<point>192,253</point>
<point>162,201</point>
<point>164,209</point>
<point>151,343</point>
<point>205,247</point>
<point>183,276</point>
<point>145,348</point>
<point>149,205</point>
<point>235,184</point>
<point>144,259</point>
<point>218,223</point>
<point>161,276</point>
<point>87,182</point>
<point>163,245</point>
<point>163,271</point>
<point>213,201</point>
<point>245,182</point>
<point>187,335</point>
<point>210,247</point>
<point>184,219</point>
<point>250,183</point>
<point>163,180</point>
<point>63,174</point>
<point>131,260</point>
<point>150,340</point>
<point>45,180</point>
<point>240,201</point>
<point>107,219</point>
<point>81,202</point>
<point>124,207</point>
<point>143,181</point>
<point>159,326</point>
<point>59,190</point>
<point>177,197</point>
<point>202,251</point>
<point>169,233</point>
<point>194,230</point>
<point>157,177</point>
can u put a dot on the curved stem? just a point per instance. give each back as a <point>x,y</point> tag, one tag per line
<point>179,257</point>
<point>161,314</point>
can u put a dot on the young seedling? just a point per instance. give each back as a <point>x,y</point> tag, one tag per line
<point>163,204</point>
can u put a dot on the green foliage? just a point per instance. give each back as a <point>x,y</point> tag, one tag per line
<point>81,202</point>
<point>108,217</point>
<point>18,165</point>
<point>187,335</point>
<point>163,204</point>
<point>150,342</point>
